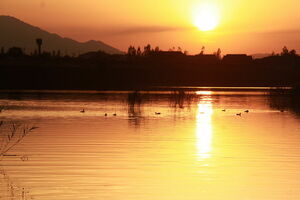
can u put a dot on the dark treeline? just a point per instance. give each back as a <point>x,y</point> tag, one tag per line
<point>142,69</point>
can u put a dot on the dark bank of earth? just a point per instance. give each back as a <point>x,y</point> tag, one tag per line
<point>106,72</point>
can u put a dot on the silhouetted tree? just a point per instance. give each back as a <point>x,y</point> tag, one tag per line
<point>293,52</point>
<point>286,52</point>
<point>39,42</point>
<point>202,50</point>
<point>179,49</point>
<point>156,49</point>
<point>131,51</point>
<point>218,54</point>
<point>147,50</point>
<point>138,51</point>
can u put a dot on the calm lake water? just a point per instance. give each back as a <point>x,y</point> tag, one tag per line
<point>193,149</point>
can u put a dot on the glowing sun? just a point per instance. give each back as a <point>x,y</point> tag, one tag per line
<point>206,17</point>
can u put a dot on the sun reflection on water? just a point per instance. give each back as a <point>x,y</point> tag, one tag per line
<point>204,92</point>
<point>204,129</point>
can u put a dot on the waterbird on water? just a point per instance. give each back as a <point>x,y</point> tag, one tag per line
<point>105,114</point>
<point>157,113</point>
<point>115,114</point>
<point>246,111</point>
<point>239,114</point>
<point>82,111</point>
<point>224,110</point>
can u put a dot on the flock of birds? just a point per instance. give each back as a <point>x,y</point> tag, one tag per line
<point>158,113</point>
<point>115,114</point>
<point>238,114</point>
<point>247,111</point>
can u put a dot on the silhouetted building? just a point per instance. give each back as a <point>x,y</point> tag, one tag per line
<point>237,59</point>
<point>167,53</point>
<point>207,58</point>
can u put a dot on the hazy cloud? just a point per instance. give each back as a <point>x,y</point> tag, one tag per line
<point>146,29</point>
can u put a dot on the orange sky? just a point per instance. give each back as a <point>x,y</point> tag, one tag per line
<point>256,26</point>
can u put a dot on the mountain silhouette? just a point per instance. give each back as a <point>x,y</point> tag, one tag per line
<point>16,33</point>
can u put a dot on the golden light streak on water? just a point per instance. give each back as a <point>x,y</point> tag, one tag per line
<point>204,92</point>
<point>204,132</point>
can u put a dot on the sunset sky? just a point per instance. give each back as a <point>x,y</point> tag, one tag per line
<point>238,26</point>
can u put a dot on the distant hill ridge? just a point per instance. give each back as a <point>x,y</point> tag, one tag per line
<point>14,32</point>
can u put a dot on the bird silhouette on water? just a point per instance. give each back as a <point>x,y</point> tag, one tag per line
<point>82,111</point>
<point>239,114</point>
<point>246,111</point>
<point>157,113</point>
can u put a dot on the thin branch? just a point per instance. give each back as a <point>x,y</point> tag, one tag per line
<point>14,137</point>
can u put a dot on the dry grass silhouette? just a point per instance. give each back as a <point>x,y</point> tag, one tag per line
<point>11,134</point>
